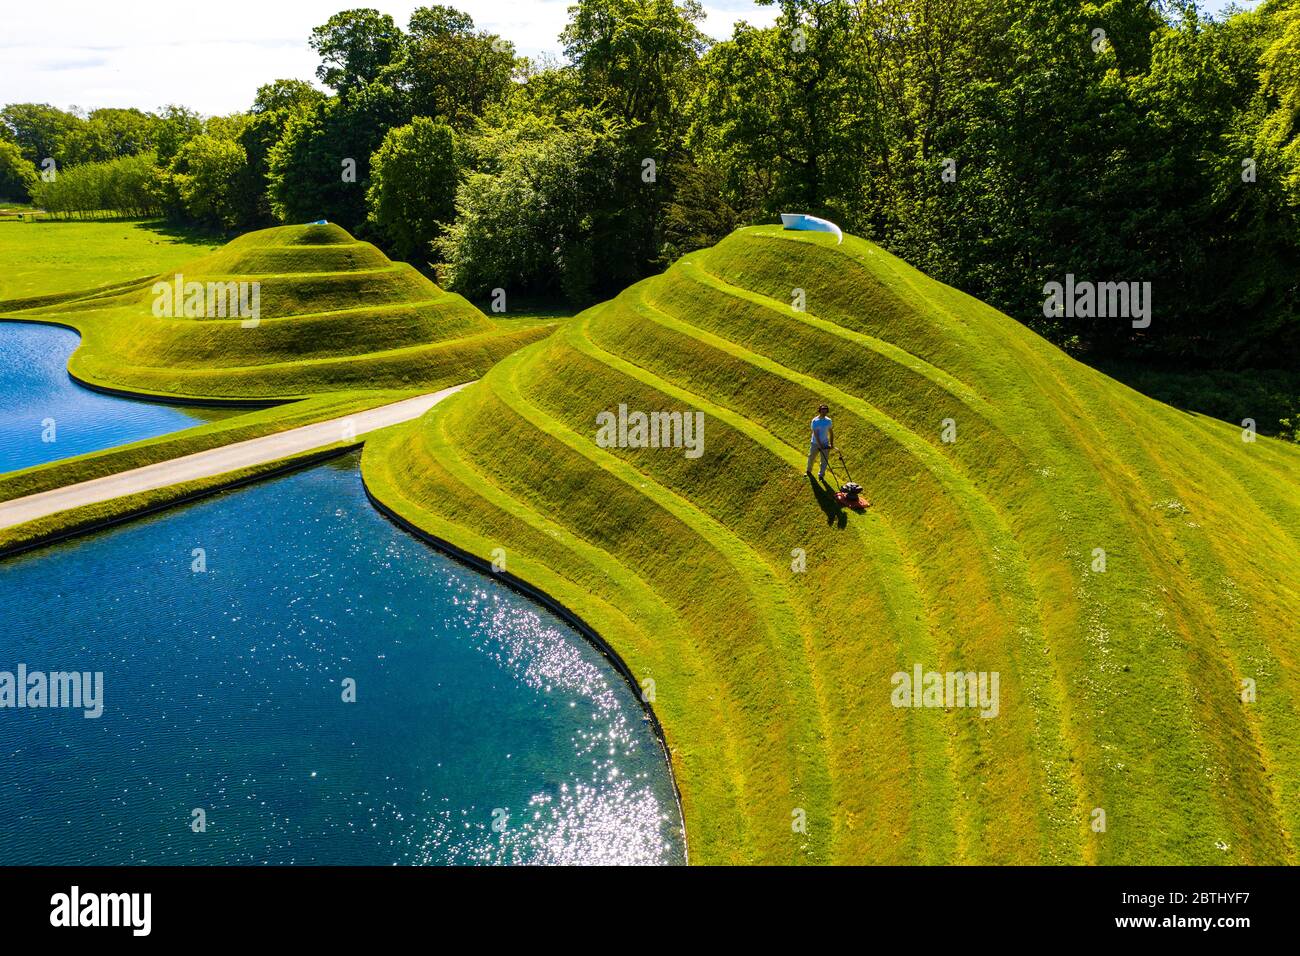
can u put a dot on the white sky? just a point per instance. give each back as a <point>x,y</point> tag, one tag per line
<point>213,55</point>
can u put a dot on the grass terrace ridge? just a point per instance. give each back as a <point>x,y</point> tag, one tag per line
<point>1123,567</point>
<point>334,314</point>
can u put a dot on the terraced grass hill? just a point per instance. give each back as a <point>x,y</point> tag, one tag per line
<point>335,314</point>
<point>1121,565</point>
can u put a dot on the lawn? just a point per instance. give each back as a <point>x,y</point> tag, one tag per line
<point>1122,566</point>
<point>47,257</point>
<point>335,314</point>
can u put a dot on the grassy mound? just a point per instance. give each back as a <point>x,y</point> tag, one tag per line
<point>1120,683</point>
<point>335,314</point>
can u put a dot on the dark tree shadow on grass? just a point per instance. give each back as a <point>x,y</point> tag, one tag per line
<point>167,232</point>
<point>1265,395</point>
<point>172,233</point>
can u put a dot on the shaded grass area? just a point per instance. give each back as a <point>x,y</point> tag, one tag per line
<point>772,622</point>
<point>334,314</point>
<point>46,257</point>
<point>534,308</point>
<point>1268,397</point>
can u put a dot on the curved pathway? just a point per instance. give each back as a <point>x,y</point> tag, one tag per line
<point>217,461</point>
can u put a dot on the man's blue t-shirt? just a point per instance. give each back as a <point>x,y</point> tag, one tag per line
<point>821,429</point>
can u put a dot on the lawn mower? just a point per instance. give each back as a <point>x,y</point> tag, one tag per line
<point>850,493</point>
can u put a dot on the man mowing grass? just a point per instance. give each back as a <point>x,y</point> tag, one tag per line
<point>823,440</point>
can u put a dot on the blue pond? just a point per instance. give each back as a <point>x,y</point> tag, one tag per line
<point>223,691</point>
<point>39,402</point>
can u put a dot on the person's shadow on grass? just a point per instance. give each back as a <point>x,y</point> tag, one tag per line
<point>825,496</point>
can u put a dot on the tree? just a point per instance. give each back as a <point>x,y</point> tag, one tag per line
<point>17,174</point>
<point>539,212</point>
<point>285,96</point>
<point>273,107</point>
<point>638,61</point>
<point>355,46</point>
<point>439,20</point>
<point>640,57</point>
<point>127,186</point>
<point>699,214</point>
<point>413,178</point>
<point>176,126</point>
<point>40,130</point>
<point>211,179</point>
<point>786,112</point>
<point>107,133</point>
<point>448,70</point>
<point>321,166</point>
<point>1279,133</point>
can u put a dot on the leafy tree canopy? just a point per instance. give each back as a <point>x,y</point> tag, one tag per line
<point>355,46</point>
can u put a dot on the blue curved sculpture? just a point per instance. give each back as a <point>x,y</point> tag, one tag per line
<point>800,220</point>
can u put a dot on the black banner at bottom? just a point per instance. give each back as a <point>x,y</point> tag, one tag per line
<point>329,905</point>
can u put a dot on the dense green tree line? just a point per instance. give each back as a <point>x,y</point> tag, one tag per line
<point>997,144</point>
<point>126,186</point>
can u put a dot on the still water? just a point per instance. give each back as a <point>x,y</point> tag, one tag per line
<point>225,632</point>
<point>45,416</point>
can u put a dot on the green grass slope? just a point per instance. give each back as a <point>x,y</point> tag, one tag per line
<point>335,314</point>
<point>1120,690</point>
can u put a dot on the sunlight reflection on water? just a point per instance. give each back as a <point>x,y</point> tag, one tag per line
<point>222,691</point>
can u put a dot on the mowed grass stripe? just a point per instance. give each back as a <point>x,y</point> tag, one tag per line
<point>656,652</point>
<point>826,352</point>
<point>704,761</point>
<point>694,268</point>
<point>1223,646</point>
<point>1194,695</point>
<point>908,772</point>
<point>604,515</point>
<point>942,298</point>
<point>410,368</point>
<point>1164,760</point>
<point>334,314</point>
<point>966,634</point>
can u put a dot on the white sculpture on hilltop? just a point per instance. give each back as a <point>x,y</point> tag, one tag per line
<point>800,220</point>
